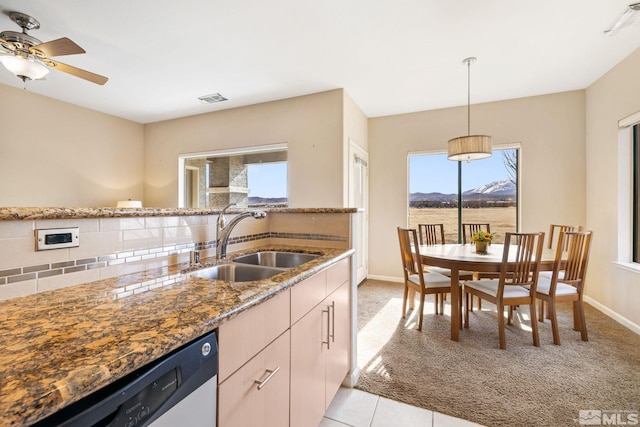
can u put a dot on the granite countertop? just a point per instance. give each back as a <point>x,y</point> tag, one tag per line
<point>38,213</point>
<point>62,345</point>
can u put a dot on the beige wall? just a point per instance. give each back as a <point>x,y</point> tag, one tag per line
<point>613,97</point>
<point>356,127</point>
<point>57,154</point>
<point>312,126</point>
<point>551,129</point>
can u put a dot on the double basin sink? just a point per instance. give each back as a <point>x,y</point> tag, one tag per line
<point>255,266</point>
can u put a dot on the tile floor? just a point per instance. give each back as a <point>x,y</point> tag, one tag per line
<point>356,408</point>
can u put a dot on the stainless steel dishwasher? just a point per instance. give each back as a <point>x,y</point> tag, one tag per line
<point>177,389</point>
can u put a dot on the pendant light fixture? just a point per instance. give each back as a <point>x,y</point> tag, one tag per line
<point>470,147</point>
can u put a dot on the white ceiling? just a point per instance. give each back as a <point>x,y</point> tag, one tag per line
<point>391,56</point>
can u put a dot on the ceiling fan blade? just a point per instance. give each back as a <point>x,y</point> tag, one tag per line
<point>58,47</point>
<point>83,74</point>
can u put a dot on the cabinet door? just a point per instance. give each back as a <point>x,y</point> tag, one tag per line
<point>308,354</point>
<point>340,335</point>
<point>241,403</point>
<point>245,335</point>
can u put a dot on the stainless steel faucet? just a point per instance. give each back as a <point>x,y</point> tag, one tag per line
<point>223,230</point>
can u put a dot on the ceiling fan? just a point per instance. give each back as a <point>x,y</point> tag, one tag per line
<point>30,59</point>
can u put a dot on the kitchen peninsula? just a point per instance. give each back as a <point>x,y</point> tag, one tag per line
<point>124,297</point>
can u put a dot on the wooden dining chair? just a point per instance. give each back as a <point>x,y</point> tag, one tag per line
<point>517,282</point>
<point>433,234</point>
<point>552,242</point>
<point>570,287</point>
<point>555,230</point>
<point>469,228</point>
<point>415,278</point>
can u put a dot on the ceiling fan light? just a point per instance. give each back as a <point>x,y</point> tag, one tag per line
<point>24,68</point>
<point>471,147</point>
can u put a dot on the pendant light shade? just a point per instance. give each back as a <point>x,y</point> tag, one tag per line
<point>470,147</point>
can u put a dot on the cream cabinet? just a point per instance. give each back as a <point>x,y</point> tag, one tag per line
<point>282,362</point>
<point>254,365</point>
<point>258,393</point>
<point>319,345</point>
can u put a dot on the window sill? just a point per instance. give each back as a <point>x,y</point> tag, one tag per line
<point>629,266</point>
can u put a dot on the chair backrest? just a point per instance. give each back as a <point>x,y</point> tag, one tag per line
<point>521,259</point>
<point>556,229</point>
<point>431,234</point>
<point>469,228</point>
<point>577,246</point>
<point>406,236</point>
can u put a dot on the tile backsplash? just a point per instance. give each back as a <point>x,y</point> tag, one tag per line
<point>115,246</point>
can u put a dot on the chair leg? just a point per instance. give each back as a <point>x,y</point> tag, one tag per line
<point>421,308</point>
<point>579,308</point>
<point>510,316</point>
<point>465,297</point>
<point>442,297</point>
<point>534,324</point>
<point>479,303</point>
<point>404,301</point>
<point>541,311</point>
<point>547,304</point>
<point>551,311</point>
<point>503,341</point>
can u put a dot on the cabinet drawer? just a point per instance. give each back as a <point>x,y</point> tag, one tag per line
<point>337,274</point>
<point>245,335</point>
<point>240,403</point>
<point>307,294</point>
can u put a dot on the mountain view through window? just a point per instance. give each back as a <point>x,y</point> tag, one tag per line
<point>489,192</point>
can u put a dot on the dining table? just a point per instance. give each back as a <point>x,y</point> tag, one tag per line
<point>459,257</point>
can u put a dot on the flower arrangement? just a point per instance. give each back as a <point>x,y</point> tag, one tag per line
<point>482,236</point>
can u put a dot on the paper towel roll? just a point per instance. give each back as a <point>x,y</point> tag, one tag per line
<point>129,204</point>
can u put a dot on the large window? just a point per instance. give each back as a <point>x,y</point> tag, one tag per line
<point>489,192</point>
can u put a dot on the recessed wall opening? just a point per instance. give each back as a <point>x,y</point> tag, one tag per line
<point>248,176</point>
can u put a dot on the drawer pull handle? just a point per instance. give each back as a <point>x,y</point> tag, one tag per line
<point>266,380</point>
<point>328,341</point>
<point>333,321</point>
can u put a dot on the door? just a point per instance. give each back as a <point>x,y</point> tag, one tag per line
<point>359,198</point>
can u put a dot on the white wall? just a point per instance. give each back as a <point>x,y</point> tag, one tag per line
<point>613,97</point>
<point>551,129</point>
<point>310,125</point>
<point>60,155</point>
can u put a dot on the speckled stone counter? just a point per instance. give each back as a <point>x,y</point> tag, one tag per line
<point>59,346</point>
<point>13,214</point>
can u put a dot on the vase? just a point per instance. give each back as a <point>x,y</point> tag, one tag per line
<point>481,246</point>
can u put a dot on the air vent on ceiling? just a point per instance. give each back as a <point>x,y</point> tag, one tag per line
<point>213,98</point>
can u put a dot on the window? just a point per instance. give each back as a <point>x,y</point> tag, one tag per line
<point>251,176</point>
<point>487,190</point>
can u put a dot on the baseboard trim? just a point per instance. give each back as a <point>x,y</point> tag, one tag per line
<point>385,278</point>
<point>612,314</point>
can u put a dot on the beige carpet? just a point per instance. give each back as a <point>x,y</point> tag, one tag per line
<point>475,380</point>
